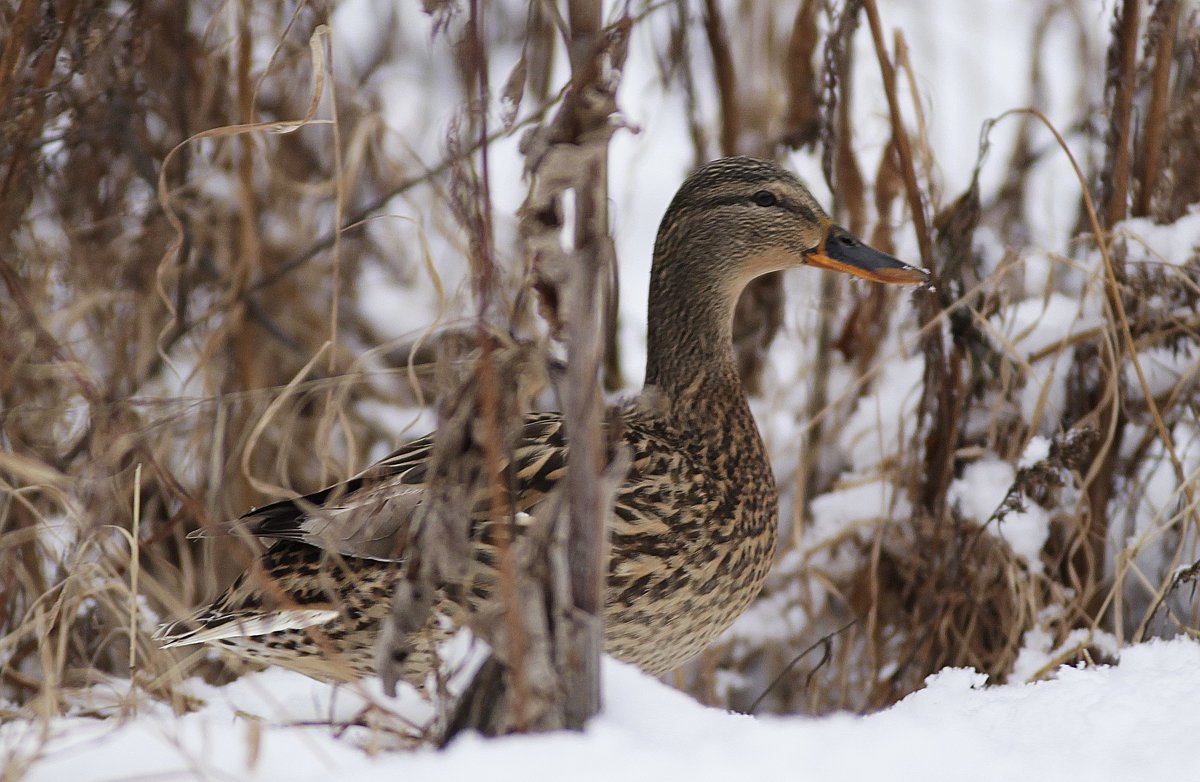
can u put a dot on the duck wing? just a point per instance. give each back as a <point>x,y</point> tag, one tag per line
<point>370,516</point>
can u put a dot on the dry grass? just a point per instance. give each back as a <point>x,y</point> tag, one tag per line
<point>176,301</point>
<point>183,332</point>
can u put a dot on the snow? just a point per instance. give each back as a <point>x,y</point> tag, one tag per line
<point>1029,326</point>
<point>1173,244</point>
<point>1165,369</point>
<point>853,508</point>
<point>978,495</point>
<point>1133,720</point>
<point>881,423</point>
<point>1037,449</point>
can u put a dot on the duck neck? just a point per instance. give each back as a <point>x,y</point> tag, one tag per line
<point>689,358</point>
<point>698,393</point>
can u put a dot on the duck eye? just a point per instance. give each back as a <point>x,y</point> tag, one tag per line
<point>765,198</point>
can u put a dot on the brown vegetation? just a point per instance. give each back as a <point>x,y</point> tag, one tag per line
<point>194,201</point>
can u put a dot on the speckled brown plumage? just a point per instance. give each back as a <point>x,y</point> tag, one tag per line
<point>694,523</point>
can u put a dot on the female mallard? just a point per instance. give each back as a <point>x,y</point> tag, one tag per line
<point>693,528</point>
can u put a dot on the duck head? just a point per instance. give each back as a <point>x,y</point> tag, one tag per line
<point>737,218</point>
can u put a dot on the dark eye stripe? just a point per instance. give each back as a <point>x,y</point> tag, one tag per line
<point>801,210</point>
<point>780,203</point>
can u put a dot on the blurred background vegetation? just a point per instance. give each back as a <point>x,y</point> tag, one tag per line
<point>230,233</point>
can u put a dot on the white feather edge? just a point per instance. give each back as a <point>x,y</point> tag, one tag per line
<point>263,624</point>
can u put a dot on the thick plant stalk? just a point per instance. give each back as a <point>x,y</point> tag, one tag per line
<point>1150,159</point>
<point>560,561</point>
<point>574,159</point>
<point>1122,67</point>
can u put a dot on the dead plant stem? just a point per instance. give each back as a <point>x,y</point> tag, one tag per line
<point>1120,144</point>
<point>135,568</point>
<point>723,73</point>
<point>498,505</point>
<point>1117,306</point>
<point>900,135</point>
<point>1151,145</point>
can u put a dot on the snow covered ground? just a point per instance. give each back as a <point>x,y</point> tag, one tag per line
<point>1133,721</point>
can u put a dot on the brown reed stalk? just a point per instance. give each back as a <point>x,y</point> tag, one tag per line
<point>802,122</point>
<point>900,136</point>
<point>838,160</point>
<point>1163,22</point>
<point>1119,90</point>
<point>724,76</point>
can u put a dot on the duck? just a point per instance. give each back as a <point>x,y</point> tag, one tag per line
<point>693,525</point>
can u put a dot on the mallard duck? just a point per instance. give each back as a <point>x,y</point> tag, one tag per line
<point>693,529</point>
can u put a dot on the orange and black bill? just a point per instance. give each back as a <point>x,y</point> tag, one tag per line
<point>841,252</point>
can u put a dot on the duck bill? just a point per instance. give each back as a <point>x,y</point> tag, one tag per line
<point>841,252</point>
